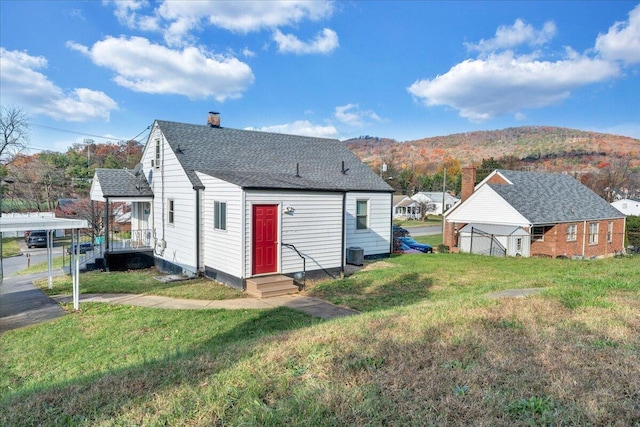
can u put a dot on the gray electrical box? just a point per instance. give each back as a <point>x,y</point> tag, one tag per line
<point>355,255</point>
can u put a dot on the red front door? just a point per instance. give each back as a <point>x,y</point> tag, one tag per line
<point>265,239</point>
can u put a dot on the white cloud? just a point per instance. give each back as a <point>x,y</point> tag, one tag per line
<point>177,19</point>
<point>622,42</point>
<point>24,84</point>
<point>127,11</point>
<point>482,89</point>
<point>301,127</point>
<point>500,81</point>
<point>150,68</point>
<point>520,33</point>
<point>351,115</point>
<point>325,42</point>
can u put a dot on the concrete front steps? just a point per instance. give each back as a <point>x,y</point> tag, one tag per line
<point>270,286</point>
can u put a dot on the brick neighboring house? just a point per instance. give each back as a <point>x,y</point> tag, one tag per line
<point>559,216</point>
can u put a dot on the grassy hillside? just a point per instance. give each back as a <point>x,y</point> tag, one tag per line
<point>432,347</point>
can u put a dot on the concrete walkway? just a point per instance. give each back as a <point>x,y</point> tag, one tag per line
<point>311,306</point>
<point>22,304</point>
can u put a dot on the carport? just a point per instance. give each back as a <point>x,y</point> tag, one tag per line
<point>49,225</point>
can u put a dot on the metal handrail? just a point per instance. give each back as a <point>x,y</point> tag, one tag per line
<point>304,263</point>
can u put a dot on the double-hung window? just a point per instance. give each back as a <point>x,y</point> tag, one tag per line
<point>219,215</point>
<point>171,211</point>
<point>158,153</point>
<point>572,233</point>
<point>610,232</point>
<point>593,233</point>
<point>362,214</point>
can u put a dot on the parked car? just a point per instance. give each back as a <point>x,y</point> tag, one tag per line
<point>37,239</point>
<point>404,249</point>
<point>399,231</point>
<point>411,242</point>
<point>82,248</point>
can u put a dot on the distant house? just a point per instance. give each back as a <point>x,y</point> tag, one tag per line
<point>627,206</point>
<point>533,214</point>
<point>433,201</point>
<point>404,207</point>
<point>236,205</point>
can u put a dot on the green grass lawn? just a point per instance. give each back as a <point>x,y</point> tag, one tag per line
<point>10,247</point>
<point>140,282</point>
<point>430,348</point>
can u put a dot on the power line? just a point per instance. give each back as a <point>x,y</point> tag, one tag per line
<point>91,135</point>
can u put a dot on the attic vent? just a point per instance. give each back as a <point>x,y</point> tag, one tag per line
<point>344,171</point>
<point>213,119</point>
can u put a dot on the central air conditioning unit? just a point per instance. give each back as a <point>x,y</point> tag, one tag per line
<point>355,255</point>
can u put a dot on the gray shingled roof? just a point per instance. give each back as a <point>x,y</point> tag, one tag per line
<point>123,183</point>
<point>545,198</point>
<point>253,159</point>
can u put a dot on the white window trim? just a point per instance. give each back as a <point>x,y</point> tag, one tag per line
<point>216,221</point>
<point>593,237</point>
<point>158,154</point>
<point>572,233</point>
<point>171,212</point>
<point>368,216</point>
<point>610,232</point>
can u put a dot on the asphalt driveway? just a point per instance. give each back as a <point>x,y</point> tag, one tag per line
<point>22,304</point>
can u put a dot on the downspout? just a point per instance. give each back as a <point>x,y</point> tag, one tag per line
<point>392,237</point>
<point>344,224</point>
<point>106,224</point>
<point>243,233</point>
<point>584,238</point>
<point>198,227</point>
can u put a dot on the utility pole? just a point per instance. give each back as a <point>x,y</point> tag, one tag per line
<point>444,186</point>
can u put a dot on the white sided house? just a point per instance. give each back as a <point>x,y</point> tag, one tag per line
<point>236,205</point>
<point>627,206</point>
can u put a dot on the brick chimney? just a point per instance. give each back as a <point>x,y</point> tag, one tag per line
<point>468,181</point>
<point>214,119</point>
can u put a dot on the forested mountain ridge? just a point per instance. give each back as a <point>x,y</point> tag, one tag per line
<point>536,147</point>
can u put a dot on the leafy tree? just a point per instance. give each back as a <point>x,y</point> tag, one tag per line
<point>487,166</point>
<point>633,230</point>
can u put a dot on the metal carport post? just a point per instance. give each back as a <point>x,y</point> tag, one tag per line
<point>49,225</point>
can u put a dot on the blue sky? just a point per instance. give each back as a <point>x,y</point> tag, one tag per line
<point>404,70</point>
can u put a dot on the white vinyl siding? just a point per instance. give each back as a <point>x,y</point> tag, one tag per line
<point>487,207</point>
<point>376,239</point>
<point>180,238</point>
<point>223,250</point>
<point>314,227</point>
